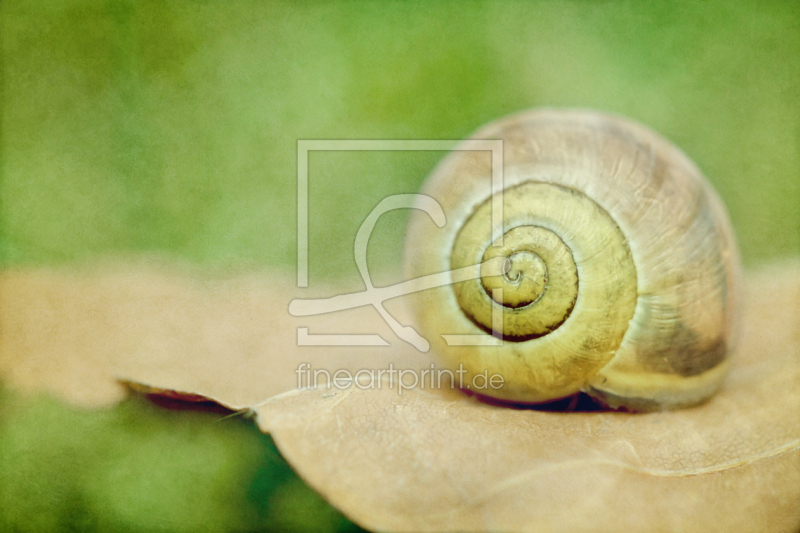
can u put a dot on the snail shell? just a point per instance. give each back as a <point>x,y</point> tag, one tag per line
<point>618,265</point>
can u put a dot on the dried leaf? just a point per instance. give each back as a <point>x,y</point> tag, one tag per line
<point>424,460</point>
<point>79,333</point>
<point>428,461</point>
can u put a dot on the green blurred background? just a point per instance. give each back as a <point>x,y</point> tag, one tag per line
<point>170,128</point>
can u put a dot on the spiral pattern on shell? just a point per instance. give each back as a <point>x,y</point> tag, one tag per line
<point>618,267</point>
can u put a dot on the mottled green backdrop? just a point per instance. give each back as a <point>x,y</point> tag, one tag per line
<point>171,128</point>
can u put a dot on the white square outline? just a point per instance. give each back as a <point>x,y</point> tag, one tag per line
<point>304,146</point>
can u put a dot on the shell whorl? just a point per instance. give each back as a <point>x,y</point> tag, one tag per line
<point>619,264</point>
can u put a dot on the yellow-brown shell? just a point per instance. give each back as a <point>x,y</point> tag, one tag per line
<point>621,271</point>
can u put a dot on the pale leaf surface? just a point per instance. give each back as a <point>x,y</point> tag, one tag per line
<point>78,333</point>
<point>433,461</point>
<point>426,460</point>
